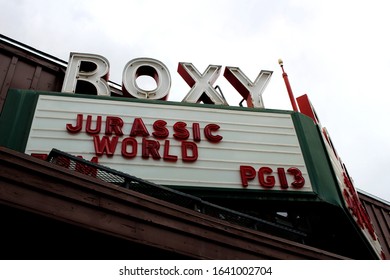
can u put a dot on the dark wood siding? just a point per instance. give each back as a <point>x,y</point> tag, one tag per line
<point>379,212</point>
<point>22,69</point>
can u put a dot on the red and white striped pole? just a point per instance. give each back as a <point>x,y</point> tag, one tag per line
<point>288,86</point>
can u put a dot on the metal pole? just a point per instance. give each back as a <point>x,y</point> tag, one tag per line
<point>288,86</point>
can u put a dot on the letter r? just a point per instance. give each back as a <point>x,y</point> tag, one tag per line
<point>95,72</point>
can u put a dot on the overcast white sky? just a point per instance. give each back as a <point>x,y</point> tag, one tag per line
<point>338,52</point>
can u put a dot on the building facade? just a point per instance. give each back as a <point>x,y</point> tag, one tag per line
<point>297,202</point>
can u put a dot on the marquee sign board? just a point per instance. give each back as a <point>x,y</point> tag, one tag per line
<point>171,144</point>
<point>276,154</point>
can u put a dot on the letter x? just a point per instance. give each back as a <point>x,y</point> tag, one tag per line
<point>202,84</point>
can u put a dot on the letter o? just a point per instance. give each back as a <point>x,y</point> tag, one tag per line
<point>149,67</point>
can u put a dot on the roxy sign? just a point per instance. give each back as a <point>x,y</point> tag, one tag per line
<point>94,69</point>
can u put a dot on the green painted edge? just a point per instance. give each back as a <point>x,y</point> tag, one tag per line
<point>321,173</point>
<point>16,118</point>
<point>317,160</point>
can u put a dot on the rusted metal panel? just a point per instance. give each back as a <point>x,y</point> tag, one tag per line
<point>43,188</point>
<point>379,212</point>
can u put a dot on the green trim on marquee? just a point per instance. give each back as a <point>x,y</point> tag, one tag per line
<point>16,119</point>
<point>317,160</point>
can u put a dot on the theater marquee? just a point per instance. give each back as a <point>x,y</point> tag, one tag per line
<point>282,160</point>
<point>175,144</point>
